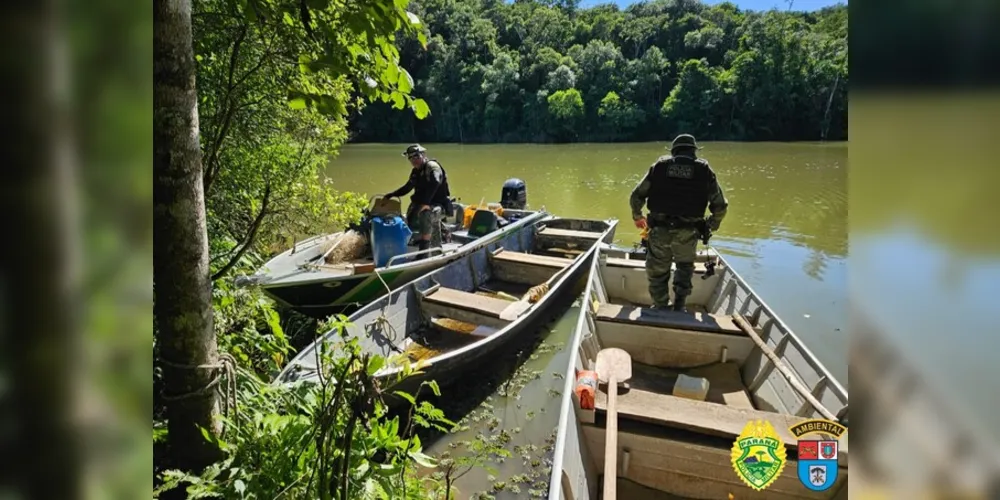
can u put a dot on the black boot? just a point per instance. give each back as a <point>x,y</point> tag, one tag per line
<point>678,304</point>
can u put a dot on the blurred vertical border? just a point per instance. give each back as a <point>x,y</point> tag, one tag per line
<point>925,248</point>
<point>77,292</point>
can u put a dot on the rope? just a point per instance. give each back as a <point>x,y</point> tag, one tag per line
<point>382,321</point>
<point>224,369</point>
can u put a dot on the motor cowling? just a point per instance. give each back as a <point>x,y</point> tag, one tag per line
<point>514,194</point>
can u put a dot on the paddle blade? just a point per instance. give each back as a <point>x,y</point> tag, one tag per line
<point>614,361</point>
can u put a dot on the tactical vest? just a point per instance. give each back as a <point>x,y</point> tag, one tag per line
<point>679,187</point>
<point>421,184</point>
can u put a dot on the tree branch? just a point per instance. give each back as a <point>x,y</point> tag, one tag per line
<point>211,164</point>
<point>248,241</point>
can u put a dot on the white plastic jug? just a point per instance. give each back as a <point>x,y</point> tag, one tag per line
<point>691,387</point>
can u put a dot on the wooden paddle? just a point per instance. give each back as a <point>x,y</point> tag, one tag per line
<point>614,365</point>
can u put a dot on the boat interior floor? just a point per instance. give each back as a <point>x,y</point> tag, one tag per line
<point>482,311</point>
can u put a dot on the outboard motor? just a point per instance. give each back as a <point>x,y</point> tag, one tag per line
<point>514,194</point>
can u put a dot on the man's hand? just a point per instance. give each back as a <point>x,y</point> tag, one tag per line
<point>640,223</point>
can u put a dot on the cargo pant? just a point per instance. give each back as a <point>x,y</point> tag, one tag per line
<point>666,245</point>
<point>425,225</point>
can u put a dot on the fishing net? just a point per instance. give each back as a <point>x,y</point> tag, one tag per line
<point>350,245</point>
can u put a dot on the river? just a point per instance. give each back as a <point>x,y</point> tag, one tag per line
<point>786,233</point>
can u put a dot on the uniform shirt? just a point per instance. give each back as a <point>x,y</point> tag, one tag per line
<point>717,203</point>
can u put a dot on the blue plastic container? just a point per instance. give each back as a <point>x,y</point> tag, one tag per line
<point>389,238</point>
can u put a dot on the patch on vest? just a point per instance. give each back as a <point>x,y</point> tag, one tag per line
<point>680,171</point>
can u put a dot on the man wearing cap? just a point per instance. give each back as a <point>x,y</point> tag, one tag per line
<point>429,184</point>
<point>676,190</point>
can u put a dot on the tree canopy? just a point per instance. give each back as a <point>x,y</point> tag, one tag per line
<point>495,71</point>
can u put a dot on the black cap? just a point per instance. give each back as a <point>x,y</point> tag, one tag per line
<point>413,150</point>
<point>684,141</point>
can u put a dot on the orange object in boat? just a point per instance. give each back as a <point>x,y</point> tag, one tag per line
<point>586,388</point>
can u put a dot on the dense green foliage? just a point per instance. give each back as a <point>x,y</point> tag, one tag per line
<point>276,80</point>
<point>549,71</point>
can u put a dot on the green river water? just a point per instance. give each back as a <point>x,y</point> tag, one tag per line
<point>786,231</point>
<point>786,234</point>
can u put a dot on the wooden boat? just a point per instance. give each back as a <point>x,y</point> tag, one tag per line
<point>670,446</point>
<point>300,279</point>
<point>460,314</point>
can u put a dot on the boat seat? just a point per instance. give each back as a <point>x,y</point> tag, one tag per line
<point>701,417</point>
<point>647,316</point>
<point>527,258</point>
<point>569,233</point>
<point>464,306</point>
<point>550,237</point>
<point>525,268</point>
<point>699,267</point>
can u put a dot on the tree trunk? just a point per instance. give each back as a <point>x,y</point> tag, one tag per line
<point>42,270</point>
<point>182,306</point>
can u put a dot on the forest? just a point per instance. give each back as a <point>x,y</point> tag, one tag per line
<point>551,71</point>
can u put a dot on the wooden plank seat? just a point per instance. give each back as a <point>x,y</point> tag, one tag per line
<point>699,267</point>
<point>525,268</point>
<point>532,259</point>
<point>702,417</point>
<point>464,306</point>
<point>569,233</point>
<point>551,237</point>
<point>647,316</point>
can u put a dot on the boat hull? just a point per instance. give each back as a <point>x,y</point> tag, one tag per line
<point>320,294</point>
<point>675,445</point>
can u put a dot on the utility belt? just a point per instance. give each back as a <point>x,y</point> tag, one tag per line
<point>668,222</point>
<point>671,222</point>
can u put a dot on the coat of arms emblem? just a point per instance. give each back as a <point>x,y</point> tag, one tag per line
<point>817,458</point>
<point>758,455</point>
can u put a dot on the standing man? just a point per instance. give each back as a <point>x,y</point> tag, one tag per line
<point>429,184</point>
<point>676,190</point>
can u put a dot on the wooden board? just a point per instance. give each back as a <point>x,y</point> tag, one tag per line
<point>695,470</point>
<point>725,385</point>
<point>672,348</point>
<point>703,417</point>
<point>527,258</point>
<point>699,267</point>
<point>648,316</point>
<point>569,233</point>
<point>469,301</point>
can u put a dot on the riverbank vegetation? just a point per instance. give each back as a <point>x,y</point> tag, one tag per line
<point>265,86</point>
<point>539,71</point>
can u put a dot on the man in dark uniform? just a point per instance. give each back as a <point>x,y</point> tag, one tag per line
<point>676,190</point>
<point>429,184</point>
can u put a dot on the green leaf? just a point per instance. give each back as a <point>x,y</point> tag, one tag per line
<point>297,103</point>
<point>406,397</point>
<point>239,486</point>
<point>434,387</point>
<point>397,100</point>
<point>420,108</point>
<point>375,364</point>
<point>405,81</point>
<point>423,459</point>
